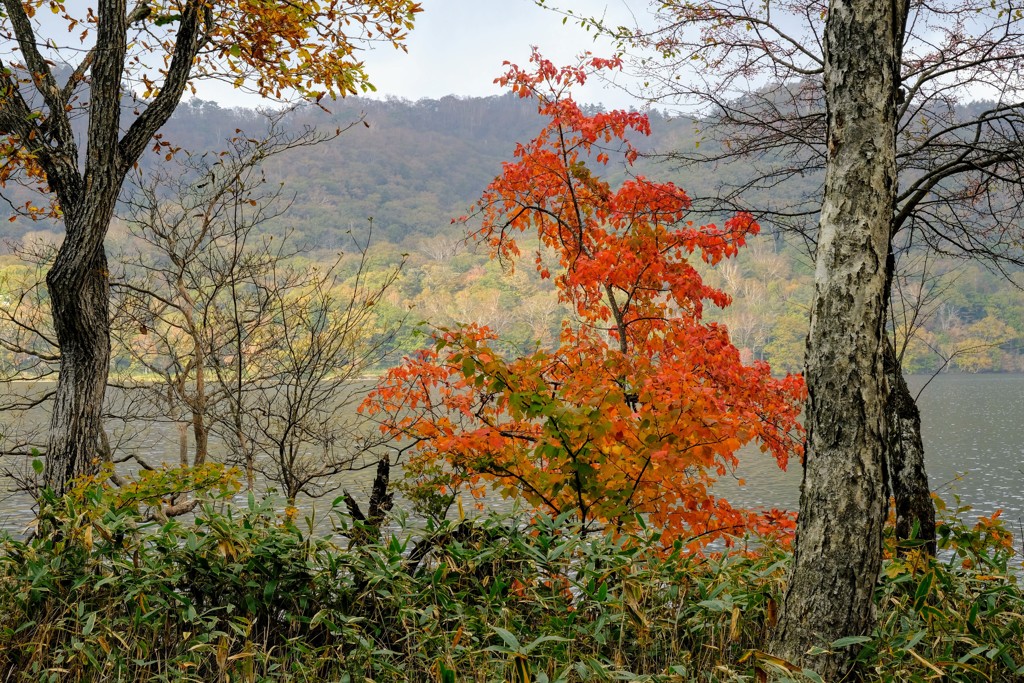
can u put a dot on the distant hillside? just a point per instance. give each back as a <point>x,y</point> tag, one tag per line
<point>415,165</point>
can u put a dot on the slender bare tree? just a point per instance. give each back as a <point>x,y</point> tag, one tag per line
<point>304,48</point>
<point>250,343</point>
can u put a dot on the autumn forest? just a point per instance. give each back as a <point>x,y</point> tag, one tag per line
<point>360,389</point>
<point>970,319</point>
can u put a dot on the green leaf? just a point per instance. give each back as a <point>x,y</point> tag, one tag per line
<point>447,675</point>
<point>921,595</point>
<point>917,638</point>
<point>90,623</point>
<point>544,639</point>
<point>715,605</point>
<point>37,466</point>
<point>847,641</point>
<point>167,19</point>
<point>811,675</point>
<point>509,639</point>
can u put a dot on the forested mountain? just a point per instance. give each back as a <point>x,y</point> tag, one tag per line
<point>413,166</point>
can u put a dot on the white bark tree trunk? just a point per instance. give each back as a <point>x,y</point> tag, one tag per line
<point>842,507</point>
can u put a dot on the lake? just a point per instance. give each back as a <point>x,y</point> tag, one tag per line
<point>973,429</point>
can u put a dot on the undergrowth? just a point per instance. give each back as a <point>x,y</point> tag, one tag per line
<point>103,593</point>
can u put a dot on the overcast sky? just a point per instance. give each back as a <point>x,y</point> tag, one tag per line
<point>457,48</point>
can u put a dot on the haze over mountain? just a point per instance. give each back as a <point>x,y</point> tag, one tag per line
<point>413,166</point>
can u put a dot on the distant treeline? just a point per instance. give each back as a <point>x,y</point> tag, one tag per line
<point>405,169</point>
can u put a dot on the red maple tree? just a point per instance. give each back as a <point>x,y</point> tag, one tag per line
<point>642,404</point>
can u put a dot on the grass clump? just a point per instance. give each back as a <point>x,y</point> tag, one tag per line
<point>106,593</point>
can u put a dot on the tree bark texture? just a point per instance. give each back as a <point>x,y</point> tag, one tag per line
<point>79,283</point>
<point>79,296</point>
<point>838,547</point>
<point>908,480</point>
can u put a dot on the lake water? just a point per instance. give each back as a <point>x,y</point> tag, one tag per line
<point>973,429</point>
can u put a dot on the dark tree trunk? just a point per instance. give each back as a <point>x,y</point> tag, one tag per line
<point>200,428</point>
<point>79,283</point>
<point>908,480</point>
<point>381,499</point>
<point>79,296</point>
<point>838,549</point>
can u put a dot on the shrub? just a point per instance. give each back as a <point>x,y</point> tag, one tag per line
<point>241,593</point>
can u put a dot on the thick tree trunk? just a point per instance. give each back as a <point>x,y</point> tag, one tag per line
<point>380,504</point>
<point>838,548</point>
<point>79,296</point>
<point>79,283</point>
<point>908,480</point>
<point>202,435</point>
